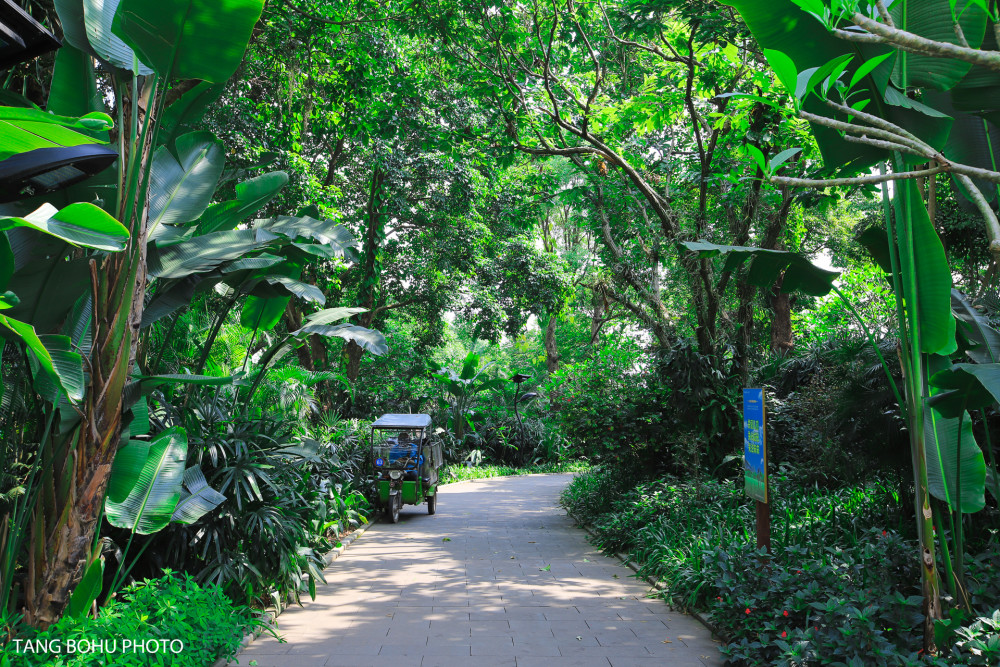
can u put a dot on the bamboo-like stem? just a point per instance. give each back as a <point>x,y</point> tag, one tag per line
<point>960,525</point>
<point>949,568</point>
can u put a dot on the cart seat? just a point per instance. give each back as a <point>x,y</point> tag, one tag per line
<point>402,451</point>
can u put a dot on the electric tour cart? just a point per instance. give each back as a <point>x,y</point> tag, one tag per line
<point>406,463</point>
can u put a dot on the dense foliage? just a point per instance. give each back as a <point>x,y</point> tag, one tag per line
<point>333,210</point>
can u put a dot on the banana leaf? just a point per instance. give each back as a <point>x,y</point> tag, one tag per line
<point>189,39</point>
<point>985,339</point>
<point>81,224</point>
<point>766,265</point>
<point>182,183</point>
<point>154,473</point>
<point>197,499</point>
<point>251,196</point>
<point>953,468</point>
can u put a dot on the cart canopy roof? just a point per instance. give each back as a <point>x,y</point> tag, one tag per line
<point>403,421</point>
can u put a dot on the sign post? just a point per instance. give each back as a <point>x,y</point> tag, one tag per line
<point>755,462</point>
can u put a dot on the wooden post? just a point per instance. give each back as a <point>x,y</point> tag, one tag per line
<point>764,526</point>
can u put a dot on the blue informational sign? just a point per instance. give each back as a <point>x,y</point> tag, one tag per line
<point>754,445</point>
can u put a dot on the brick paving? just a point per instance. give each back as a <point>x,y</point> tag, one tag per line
<point>499,577</point>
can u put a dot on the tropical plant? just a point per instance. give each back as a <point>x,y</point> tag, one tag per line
<point>855,70</point>
<point>462,389</point>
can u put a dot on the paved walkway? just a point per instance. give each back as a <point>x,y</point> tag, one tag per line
<point>499,577</point>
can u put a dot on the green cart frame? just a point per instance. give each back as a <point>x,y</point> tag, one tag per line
<point>406,463</point>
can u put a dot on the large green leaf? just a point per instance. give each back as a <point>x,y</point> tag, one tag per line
<point>69,380</point>
<point>327,232</point>
<point>270,296</point>
<point>263,313</point>
<point>182,378</point>
<point>6,262</point>
<point>986,339</point>
<point>48,285</point>
<point>332,315</point>
<point>931,273</point>
<point>943,460</point>
<point>181,187</point>
<point>204,253</point>
<point>169,298</point>
<point>74,84</point>
<point>87,591</point>
<point>198,498</point>
<point>965,387</point>
<point>369,339</point>
<point>86,26</point>
<point>189,39</point>
<point>801,275</point>
<point>187,110</point>
<point>23,130</point>
<point>59,369</point>
<point>972,141</point>
<point>953,468</point>
<point>155,484</point>
<point>251,196</point>
<point>780,25</point>
<point>97,17</point>
<point>932,19</point>
<point>81,224</point>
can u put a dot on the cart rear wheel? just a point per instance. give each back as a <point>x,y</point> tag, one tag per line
<point>432,502</point>
<point>392,509</point>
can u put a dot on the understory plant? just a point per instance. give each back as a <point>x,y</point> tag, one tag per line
<point>287,500</point>
<point>838,588</point>
<point>197,620</point>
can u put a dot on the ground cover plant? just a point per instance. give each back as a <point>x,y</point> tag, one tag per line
<point>176,621</point>
<point>837,587</point>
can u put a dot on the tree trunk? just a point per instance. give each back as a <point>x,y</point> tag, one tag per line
<point>65,518</point>
<point>744,319</point>
<point>781,324</point>
<point>596,318</point>
<point>370,268</point>
<point>551,349</point>
<point>293,321</point>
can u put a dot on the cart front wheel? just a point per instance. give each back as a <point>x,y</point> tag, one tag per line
<point>432,502</point>
<point>392,509</point>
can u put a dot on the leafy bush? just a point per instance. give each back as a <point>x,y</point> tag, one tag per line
<point>462,473</point>
<point>173,607</point>
<point>832,415</point>
<point>840,588</point>
<point>288,498</point>
<point>670,408</point>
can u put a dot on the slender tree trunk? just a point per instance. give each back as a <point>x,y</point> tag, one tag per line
<point>744,319</point>
<point>293,321</point>
<point>370,268</point>
<point>597,317</point>
<point>551,349</point>
<point>782,341</point>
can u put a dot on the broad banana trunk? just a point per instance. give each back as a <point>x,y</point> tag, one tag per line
<point>66,518</point>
